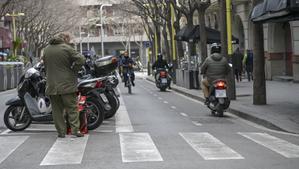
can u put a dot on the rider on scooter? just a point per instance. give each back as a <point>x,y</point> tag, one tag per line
<point>127,66</point>
<point>160,64</point>
<point>214,67</point>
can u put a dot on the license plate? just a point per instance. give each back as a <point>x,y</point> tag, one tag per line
<point>104,97</point>
<point>164,80</point>
<point>220,93</point>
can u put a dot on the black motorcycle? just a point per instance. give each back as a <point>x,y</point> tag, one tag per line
<point>32,105</point>
<point>218,101</point>
<point>162,79</point>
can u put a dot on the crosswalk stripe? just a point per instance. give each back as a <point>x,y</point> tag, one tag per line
<point>66,151</point>
<point>209,147</point>
<point>138,147</point>
<point>9,144</point>
<point>122,119</point>
<point>278,145</point>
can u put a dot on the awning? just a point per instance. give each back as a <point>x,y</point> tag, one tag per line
<point>192,34</point>
<point>275,11</point>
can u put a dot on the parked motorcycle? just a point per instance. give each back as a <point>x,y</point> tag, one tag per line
<point>162,79</point>
<point>218,101</point>
<point>32,105</point>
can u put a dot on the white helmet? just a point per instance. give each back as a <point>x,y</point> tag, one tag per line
<point>44,106</point>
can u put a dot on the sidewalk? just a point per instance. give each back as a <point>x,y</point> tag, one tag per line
<point>281,112</point>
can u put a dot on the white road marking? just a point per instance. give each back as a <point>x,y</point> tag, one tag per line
<point>155,95</point>
<point>138,147</point>
<point>66,151</point>
<point>166,102</point>
<point>9,144</point>
<point>196,123</point>
<point>278,145</point>
<point>5,132</point>
<point>209,147</point>
<point>160,98</point>
<point>173,107</point>
<point>104,131</point>
<point>184,114</point>
<point>122,119</point>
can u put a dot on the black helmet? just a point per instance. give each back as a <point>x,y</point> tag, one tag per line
<point>215,48</point>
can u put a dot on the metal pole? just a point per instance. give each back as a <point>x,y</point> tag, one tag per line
<point>102,30</point>
<point>229,26</point>
<point>173,33</point>
<point>14,31</point>
<point>80,39</point>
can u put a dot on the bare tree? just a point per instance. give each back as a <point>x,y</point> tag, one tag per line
<point>43,20</point>
<point>202,6</point>
<point>6,6</point>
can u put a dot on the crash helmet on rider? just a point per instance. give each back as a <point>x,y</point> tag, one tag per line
<point>215,48</point>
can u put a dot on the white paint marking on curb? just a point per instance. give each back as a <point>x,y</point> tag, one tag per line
<point>122,119</point>
<point>138,147</point>
<point>166,102</point>
<point>5,132</point>
<point>173,107</point>
<point>196,123</point>
<point>184,114</point>
<point>278,145</point>
<point>9,144</point>
<point>66,151</point>
<point>209,147</point>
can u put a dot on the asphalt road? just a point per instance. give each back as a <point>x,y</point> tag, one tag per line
<point>153,130</point>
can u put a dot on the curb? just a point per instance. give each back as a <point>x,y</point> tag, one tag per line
<point>236,112</point>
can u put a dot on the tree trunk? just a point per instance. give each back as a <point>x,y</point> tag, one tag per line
<point>166,43</point>
<point>203,35</point>
<point>223,28</point>
<point>259,81</point>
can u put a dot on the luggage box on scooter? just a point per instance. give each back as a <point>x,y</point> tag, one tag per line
<point>105,65</point>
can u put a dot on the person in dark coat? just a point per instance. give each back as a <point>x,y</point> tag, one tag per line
<point>248,62</point>
<point>237,64</point>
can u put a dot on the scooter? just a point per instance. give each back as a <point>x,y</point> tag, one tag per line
<point>162,79</point>
<point>218,102</point>
<point>32,105</point>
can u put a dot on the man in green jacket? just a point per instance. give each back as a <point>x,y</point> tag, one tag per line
<point>214,67</point>
<point>62,63</point>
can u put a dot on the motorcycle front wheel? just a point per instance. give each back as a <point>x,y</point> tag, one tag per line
<point>94,112</point>
<point>13,119</point>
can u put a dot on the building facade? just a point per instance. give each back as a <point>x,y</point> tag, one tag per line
<point>121,31</point>
<point>281,39</point>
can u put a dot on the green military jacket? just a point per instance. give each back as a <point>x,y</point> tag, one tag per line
<point>215,67</point>
<point>62,63</point>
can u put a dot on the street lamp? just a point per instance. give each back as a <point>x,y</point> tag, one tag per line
<point>102,30</point>
<point>14,15</point>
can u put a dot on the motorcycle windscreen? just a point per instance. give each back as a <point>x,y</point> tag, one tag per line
<point>31,105</point>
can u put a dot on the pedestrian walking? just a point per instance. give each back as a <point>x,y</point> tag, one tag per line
<point>62,63</point>
<point>237,64</point>
<point>248,62</point>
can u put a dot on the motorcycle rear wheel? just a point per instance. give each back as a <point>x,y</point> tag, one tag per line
<point>94,113</point>
<point>13,113</point>
<point>113,101</point>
